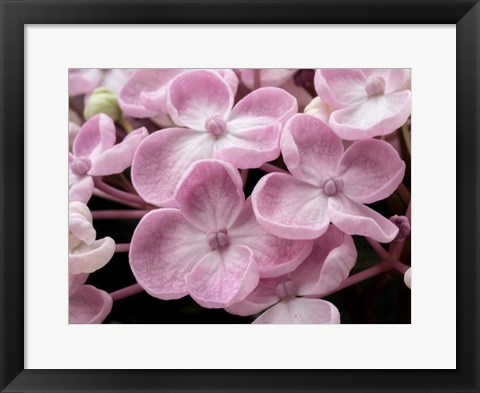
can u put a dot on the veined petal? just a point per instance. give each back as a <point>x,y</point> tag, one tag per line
<point>210,194</point>
<point>162,158</point>
<point>290,208</point>
<point>223,277</point>
<point>94,137</point>
<point>196,96</point>
<point>300,311</point>
<point>87,258</point>
<point>341,87</point>
<point>371,170</point>
<point>164,248</point>
<point>380,115</point>
<point>119,157</point>
<point>89,305</point>
<point>353,218</point>
<point>310,149</point>
<point>274,256</point>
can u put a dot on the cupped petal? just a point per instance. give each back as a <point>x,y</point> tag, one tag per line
<point>83,80</point>
<point>371,170</point>
<point>75,282</point>
<point>89,305</point>
<point>398,79</point>
<point>210,194</point>
<point>380,115</point>
<point>266,77</point>
<point>250,148</point>
<point>164,248</point>
<point>162,158</point>
<point>80,222</point>
<point>262,297</point>
<point>94,137</point>
<point>119,157</point>
<point>275,256</point>
<point>329,264</point>
<point>341,87</point>
<point>310,149</point>
<point>353,218</point>
<point>87,258</point>
<point>300,311</point>
<point>262,107</point>
<point>223,277</point>
<point>196,96</point>
<point>229,77</point>
<point>290,208</point>
<point>80,188</point>
<point>144,93</point>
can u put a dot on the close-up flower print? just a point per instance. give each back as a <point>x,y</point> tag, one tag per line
<point>239,196</point>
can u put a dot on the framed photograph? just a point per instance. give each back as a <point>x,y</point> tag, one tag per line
<point>239,198</point>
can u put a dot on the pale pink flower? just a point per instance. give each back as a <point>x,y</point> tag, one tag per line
<point>267,77</point>
<point>83,80</point>
<point>294,296</point>
<point>327,184</point>
<point>407,278</point>
<point>246,135</point>
<point>211,248</point>
<point>368,102</point>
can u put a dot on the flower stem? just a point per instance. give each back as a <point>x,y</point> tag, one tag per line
<point>399,266</point>
<point>272,168</point>
<point>122,247</point>
<point>379,250</point>
<point>118,214</point>
<point>126,292</point>
<point>114,192</point>
<point>103,195</point>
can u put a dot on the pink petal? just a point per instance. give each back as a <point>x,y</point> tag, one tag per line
<point>120,156</point>
<point>229,77</point>
<point>310,149</point>
<point>87,258</point>
<point>223,277</point>
<point>89,305</point>
<point>250,148</point>
<point>83,81</point>
<point>76,281</point>
<point>398,79</point>
<point>274,256</point>
<point>164,248</point>
<point>333,256</point>
<point>371,170</point>
<point>94,137</point>
<point>210,194</point>
<point>196,96</point>
<point>80,222</point>
<point>116,78</point>
<point>80,188</point>
<point>162,158</point>
<point>380,115</point>
<point>341,87</point>
<point>353,218</point>
<point>144,94</point>
<point>262,107</point>
<point>73,130</point>
<point>267,77</point>
<point>290,208</point>
<point>407,278</point>
<point>300,311</point>
<point>262,297</point>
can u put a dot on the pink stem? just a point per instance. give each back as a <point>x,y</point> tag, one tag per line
<point>126,292</point>
<point>379,250</point>
<point>256,79</point>
<point>103,195</point>
<point>399,266</point>
<point>118,214</point>
<point>272,168</point>
<point>122,247</point>
<point>122,195</point>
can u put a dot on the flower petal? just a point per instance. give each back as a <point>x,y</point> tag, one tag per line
<point>162,158</point>
<point>89,305</point>
<point>380,115</point>
<point>80,222</point>
<point>80,188</point>
<point>290,208</point>
<point>274,256</point>
<point>300,311</point>
<point>353,218</point>
<point>144,94</point>
<point>333,256</point>
<point>310,149</point>
<point>223,277</point>
<point>371,170</point>
<point>262,107</point>
<point>87,258</point>
<point>407,278</point>
<point>164,248</point>
<point>267,77</point>
<point>76,281</point>
<point>341,87</point>
<point>210,194</point>
<point>94,137</point>
<point>119,157</point>
<point>83,80</point>
<point>196,96</point>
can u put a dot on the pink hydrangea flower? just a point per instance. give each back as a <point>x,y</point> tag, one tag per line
<point>94,153</point>
<point>368,102</point>
<point>246,136</point>
<point>211,247</point>
<point>294,296</point>
<point>85,253</point>
<point>83,80</point>
<point>327,184</point>
<point>87,304</point>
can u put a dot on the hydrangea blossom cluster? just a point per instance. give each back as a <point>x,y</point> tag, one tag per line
<point>250,190</point>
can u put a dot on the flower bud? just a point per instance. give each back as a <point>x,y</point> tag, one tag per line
<point>403,225</point>
<point>102,101</point>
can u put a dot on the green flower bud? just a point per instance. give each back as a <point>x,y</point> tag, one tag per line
<point>102,101</point>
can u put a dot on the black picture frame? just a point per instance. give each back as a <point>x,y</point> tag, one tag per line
<point>15,14</point>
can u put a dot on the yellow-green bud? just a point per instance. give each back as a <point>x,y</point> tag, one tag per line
<point>102,101</point>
